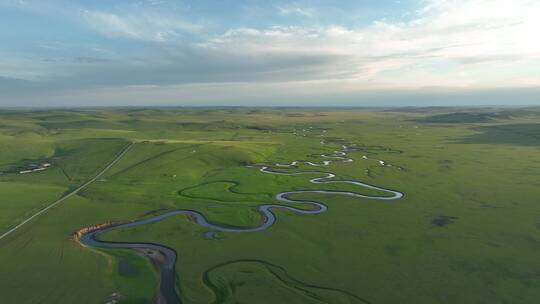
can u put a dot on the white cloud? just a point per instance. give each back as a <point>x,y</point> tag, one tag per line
<point>139,26</point>
<point>447,38</point>
<point>294,9</point>
<point>447,45</point>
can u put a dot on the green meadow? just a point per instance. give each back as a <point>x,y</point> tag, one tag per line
<point>466,231</point>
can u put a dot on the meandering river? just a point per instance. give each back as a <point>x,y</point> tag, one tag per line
<point>167,259</point>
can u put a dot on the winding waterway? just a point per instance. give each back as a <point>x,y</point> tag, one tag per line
<point>167,292</point>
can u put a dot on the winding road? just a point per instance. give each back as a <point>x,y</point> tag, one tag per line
<point>167,288</point>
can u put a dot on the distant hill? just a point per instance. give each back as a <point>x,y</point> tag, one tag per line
<point>467,114</point>
<point>464,117</point>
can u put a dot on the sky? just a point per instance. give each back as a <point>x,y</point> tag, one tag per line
<point>269,53</point>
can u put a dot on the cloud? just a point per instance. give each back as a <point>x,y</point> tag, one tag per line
<point>443,33</point>
<point>90,60</point>
<point>444,45</point>
<point>140,26</point>
<point>295,9</point>
<point>192,65</point>
<point>302,93</point>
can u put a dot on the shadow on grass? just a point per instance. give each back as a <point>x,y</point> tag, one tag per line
<point>511,134</point>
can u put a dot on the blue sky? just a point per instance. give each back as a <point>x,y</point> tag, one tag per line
<point>160,52</point>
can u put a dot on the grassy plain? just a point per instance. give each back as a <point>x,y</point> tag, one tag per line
<point>467,230</point>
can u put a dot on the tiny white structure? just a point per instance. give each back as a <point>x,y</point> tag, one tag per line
<point>364,157</point>
<point>381,162</point>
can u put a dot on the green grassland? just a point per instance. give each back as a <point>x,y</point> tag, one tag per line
<point>467,230</point>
